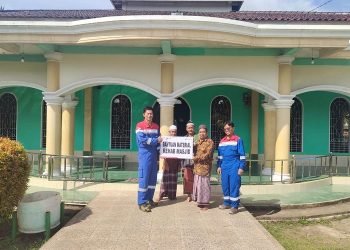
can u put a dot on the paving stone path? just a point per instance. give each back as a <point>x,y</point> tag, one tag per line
<point>113,221</point>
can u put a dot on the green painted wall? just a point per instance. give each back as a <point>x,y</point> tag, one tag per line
<point>79,122</point>
<point>101,124</point>
<point>200,103</point>
<point>198,100</point>
<point>316,107</point>
<point>261,126</point>
<point>29,103</point>
<point>315,115</point>
<point>322,61</point>
<point>179,51</point>
<point>28,115</point>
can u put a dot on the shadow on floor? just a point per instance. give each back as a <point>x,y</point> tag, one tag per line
<point>261,207</point>
<point>79,217</point>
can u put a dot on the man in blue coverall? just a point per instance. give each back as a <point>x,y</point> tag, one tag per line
<point>231,163</point>
<point>148,138</point>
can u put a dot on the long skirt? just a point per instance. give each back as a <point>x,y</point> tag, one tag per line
<point>188,180</point>
<point>168,185</point>
<point>201,190</point>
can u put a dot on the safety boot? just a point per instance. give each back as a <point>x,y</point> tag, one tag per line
<point>233,210</point>
<point>145,208</point>
<point>152,204</point>
<point>223,206</point>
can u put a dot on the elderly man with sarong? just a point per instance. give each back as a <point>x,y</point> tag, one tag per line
<point>172,166</point>
<point>202,168</point>
<point>187,164</point>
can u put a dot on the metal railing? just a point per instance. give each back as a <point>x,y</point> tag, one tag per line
<point>339,165</point>
<point>265,171</point>
<point>78,168</point>
<point>84,168</point>
<point>97,168</point>
<point>309,168</point>
<point>38,162</point>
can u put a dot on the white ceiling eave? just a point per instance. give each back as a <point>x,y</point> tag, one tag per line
<point>175,23</point>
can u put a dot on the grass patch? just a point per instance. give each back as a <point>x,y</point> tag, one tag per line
<point>31,241</point>
<point>309,234</point>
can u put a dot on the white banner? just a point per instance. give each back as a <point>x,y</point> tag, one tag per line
<point>176,147</point>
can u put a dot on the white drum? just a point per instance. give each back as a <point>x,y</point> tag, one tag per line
<point>32,208</point>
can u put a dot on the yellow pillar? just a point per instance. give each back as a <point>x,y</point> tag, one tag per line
<point>53,71</point>
<point>68,118</point>
<point>283,105</point>
<point>87,121</point>
<point>53,127</point>
<point>166,119</point>
<point>166,114</point>
<point>269,136</point>
<point>284,78</point>
<point>254,125</point>
<point>167,77</point>
<point>166,102</point>
<point>167,87</point>
<point>54,116</point>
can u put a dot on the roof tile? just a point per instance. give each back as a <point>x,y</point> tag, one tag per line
<point>249,16</point>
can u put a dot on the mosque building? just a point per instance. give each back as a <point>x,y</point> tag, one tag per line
<point>75,82</point>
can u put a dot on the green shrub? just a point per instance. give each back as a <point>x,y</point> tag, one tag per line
<point>14,175</point>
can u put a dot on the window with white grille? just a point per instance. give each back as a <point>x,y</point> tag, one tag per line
<point>8,116</point>
<point>121,122</point>
<point>339,126</point>
<point>220,113</point>
<point>296,127</point>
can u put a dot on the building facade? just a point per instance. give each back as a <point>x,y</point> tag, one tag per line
<point>75,82</point>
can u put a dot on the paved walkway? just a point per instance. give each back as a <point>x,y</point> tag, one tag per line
<point>113,221</point>
<point>328,211</point>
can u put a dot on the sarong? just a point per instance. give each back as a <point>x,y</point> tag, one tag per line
<point>168,186</point>
<point>188,180</point>
<point>201,190</point>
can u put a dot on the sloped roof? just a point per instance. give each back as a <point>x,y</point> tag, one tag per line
<point>248,16</point>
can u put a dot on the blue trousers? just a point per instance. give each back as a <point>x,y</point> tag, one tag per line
<point>147,174</point>
<point>231,183</point>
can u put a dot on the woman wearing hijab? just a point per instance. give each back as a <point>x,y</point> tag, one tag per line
<point>202,168</point>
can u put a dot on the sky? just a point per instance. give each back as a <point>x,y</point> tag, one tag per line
<point>248,5</point>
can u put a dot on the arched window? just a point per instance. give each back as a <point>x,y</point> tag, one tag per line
<point>296,128</point>
<point>8,116</point>
<point>339,126</point>
<point>121,122</point>
<point>43,124</point>
<point>220,113</point>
